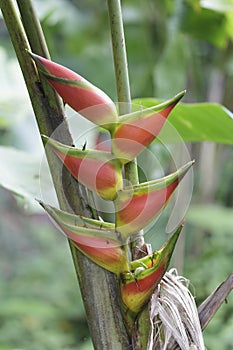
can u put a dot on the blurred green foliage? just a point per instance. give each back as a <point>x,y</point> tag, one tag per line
<point>41,307</point>
<point>171,45</point>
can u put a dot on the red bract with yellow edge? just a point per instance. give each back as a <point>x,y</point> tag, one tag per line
<point>138,205</point>
<point>97,170</point>
<point>137,130</point>
<point>97,240</point>
<point>78,93</point>
<point>137,288</point>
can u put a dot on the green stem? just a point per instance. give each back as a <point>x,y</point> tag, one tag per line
<point>119,55</point>
<point>33,28</point>
<point>123,92</point>
<point>103,314</point>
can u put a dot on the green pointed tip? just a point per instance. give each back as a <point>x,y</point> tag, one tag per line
<point>52,142</point>
<point>49,210</point>
<point>46,207</point>
<point>33,56</point>
<point>172,241</point>
<point>56,144</point>
<point>30,53</point>
<point>44,138</point>
<point>42,204</point>
<point>39,61</point>
<point>180,95</point>
<point>174,100</point>
<point>186,167</point>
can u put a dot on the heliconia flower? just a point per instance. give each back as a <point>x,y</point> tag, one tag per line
<point>95,239</point>
<point>137,287</point>
<point>97,170</point>
<point>138,205</point>
<point>78,93</point>
<point>137,130</point>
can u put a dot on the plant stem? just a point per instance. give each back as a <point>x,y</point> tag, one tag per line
<point>121,73</point>
<point>123,92</point>
<point>97,285</point>
<point>119,55</point>
<point>138,247</point>
<point>33,28</point>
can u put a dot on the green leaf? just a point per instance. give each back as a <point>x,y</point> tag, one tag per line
<point>196,122</point>
<point>218,5</point>
<point>205,24</point>
<point>20,173</point>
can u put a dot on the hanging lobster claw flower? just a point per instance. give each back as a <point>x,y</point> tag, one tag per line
<point>95,239</point>
<point>137,287</point>
<point>137,130</point>
<point>78,93</point>
<point>96,170</point>
<point>136,206</point>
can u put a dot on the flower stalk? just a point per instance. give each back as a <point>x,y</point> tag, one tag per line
<point>123,94</point>
<point>91,240</point>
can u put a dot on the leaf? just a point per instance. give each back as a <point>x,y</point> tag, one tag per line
<point>218,5</point>
<point>196,122</point>
<point>20,173</point>
<point>205,24</point>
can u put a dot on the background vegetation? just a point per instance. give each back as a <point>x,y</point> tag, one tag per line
<point>172,45</point>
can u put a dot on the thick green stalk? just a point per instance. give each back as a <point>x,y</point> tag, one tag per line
<point>119,55</point>
<point>123,90</point>
<point>138,248</point>
<point>104,318</point>
<point>33,28</point>
<point>121,73</point>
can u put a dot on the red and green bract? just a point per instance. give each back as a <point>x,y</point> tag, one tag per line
<point>137,130</point>
<point>99,171</point>
<point>97,240</point>
<point>78,93</point>
<point>136,289</point>
<point>106,244</point>
<point>137,206</point>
